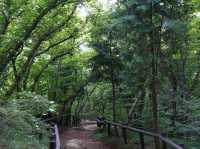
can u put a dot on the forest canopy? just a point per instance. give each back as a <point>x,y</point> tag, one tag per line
<point>133,61</point>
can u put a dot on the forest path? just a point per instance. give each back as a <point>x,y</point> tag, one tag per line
<point>81,137</point>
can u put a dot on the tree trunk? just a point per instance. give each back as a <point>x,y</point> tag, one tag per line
<point>155,47</point>
<point>112,81</point>
<point>113,98</point>
<point>154,97</point>
<point>112,77</point>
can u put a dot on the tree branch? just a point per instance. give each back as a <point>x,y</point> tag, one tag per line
<point>12,50</point>
<point>36,79</point>
<point>55,44</point>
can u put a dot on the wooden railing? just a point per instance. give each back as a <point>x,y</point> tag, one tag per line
<point>165,142</point>
<point>54,132</point>
<point>55,139</point>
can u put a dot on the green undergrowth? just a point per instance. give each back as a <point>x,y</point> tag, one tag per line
<point>20,128</point>
<point>189,143</point>
<point>116,141</point>
<point>134,140</point>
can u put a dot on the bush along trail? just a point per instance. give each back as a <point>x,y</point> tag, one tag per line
<point>134,62</point>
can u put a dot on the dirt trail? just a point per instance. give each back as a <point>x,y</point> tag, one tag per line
<point>81,138</point>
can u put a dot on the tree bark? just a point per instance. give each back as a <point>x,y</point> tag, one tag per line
<point>31,57</point>
<point>154,38</point>
<point>7,56</point>
<point>37,77</point>
<point>112,79</point>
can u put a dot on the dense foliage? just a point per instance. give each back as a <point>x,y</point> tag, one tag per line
<point>20,126</point>
<point>134,61</point>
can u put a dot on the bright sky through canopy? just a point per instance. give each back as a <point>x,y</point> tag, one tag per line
<point>106,4</point>
<point>84,11</point>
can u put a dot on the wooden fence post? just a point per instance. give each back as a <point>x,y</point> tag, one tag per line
<point>109,129</point>
<point>182,145</point>
<point>164,142</point>
<point>142,141</point>
<point>116,131</point>
<point>124,135</point>
<point>164,145</point>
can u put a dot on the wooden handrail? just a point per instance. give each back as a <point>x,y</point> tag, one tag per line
<point>54,138</point>
<point>57,137</point>
<point>55,118</point>
<point>165,141</point>
<point>133,129</point>
<point>170,142</point>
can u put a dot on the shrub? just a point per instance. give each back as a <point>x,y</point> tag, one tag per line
<point>30,102</point>
<point>20,129</point>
